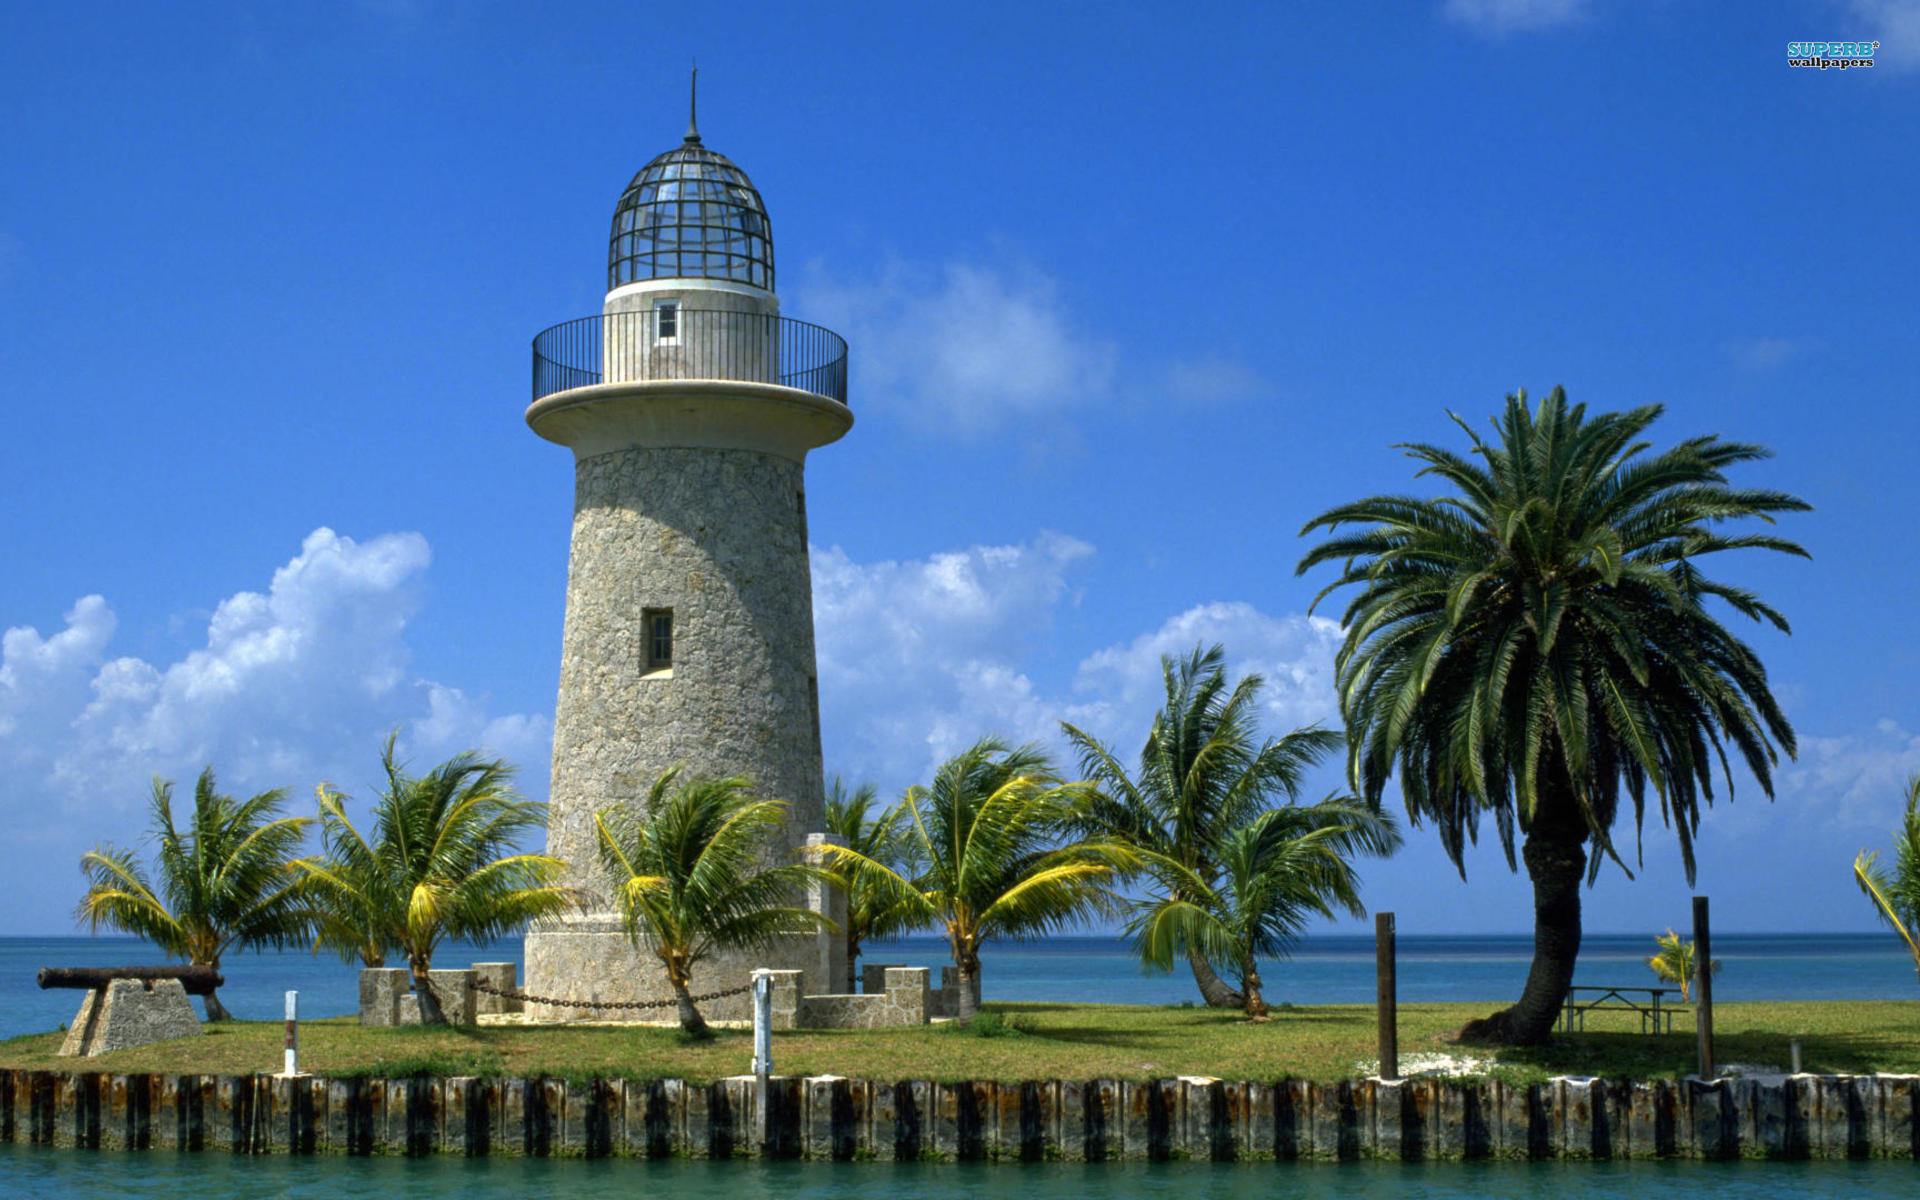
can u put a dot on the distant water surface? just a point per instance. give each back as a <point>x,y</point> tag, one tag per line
<point>1323,970</point>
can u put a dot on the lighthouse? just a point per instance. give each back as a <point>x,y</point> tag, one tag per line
<point>689,404</point>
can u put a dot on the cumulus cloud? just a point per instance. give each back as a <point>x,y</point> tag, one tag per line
<point>293,685</point>
<point>970,348</point>
<point>1501,17</point>
<point>1895,24</point>
<point>918,659</point>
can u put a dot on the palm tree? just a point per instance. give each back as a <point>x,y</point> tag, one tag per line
<point>1896,893</point>
<point>985,837</point>
<point>871,913</point>
<point>691,874</point>
<point>1674,963</point>
<point>1539,642</point>
<point>1203,773</point>
<point>442,862</point>
<point>1274,873</point>
<point>225,882</point>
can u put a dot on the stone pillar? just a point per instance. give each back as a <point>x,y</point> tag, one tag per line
<point>906,991</point>
<point>380,991</point>
<point>501,975</point>
<point>784,988</point>
<point>830,901</point>
<point>128,1013</point>
<point>873,976</point>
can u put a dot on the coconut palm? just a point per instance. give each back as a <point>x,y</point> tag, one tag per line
<point>985,835</point>
<point>1204,772</point>
<point>442,862</point>
<point>691,875</point>
<point>871,913</point>
<point>1895,891</point>
<point>1674,963</point>
<point>225,882</point>
<point>1274,874</point>
<point>1540,642</point>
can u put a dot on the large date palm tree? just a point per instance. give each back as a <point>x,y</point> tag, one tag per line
<point>1539,644</point>
<point>225,881</point>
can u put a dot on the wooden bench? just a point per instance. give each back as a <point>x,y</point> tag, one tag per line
<point>1656,1016</point>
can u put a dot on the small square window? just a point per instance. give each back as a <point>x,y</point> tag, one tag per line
<point>656,635</point>
<point>666,316</point>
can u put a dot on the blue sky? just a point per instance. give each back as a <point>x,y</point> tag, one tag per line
<point>1129,296</point>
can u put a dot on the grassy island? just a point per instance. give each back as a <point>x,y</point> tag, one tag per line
<point>1021,1041</point>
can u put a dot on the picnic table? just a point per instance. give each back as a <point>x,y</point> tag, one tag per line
<point>1656,1016</point>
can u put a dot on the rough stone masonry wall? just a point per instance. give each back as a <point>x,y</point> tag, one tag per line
<point>828,1117</point>
<point>718,536</point>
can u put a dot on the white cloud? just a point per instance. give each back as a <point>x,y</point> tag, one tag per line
<point>1293,654</point>
<point>1498,18</point>
<point>1765,353</point>
<point>966,346</point>
<point>970,348</point>
<point>293,685</point>
<point>919,659</point>
<point>1895,24</point>
<point>1854,781</point>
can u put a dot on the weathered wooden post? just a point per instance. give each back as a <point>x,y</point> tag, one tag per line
<point>1388,1001</point>
<point>1703,983</point>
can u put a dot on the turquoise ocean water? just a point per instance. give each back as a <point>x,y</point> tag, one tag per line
<point>47,1173</point>
<point>1324,970</point>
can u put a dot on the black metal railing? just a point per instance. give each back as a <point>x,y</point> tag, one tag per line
<point>689,343</point>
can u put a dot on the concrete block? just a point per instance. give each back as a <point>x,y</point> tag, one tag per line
<point>503,976</point>
<point>458,1000</point>
<point>1898,1136</point>
<point>380,991</point>
<point>1387,1136</point>
<point>873,976</point>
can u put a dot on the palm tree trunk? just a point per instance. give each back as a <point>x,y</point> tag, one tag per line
<point>1256,1004</point>
<point>1556,860</point>
<point>691,1021</point>
<point>430,1011</point>
<point>216,1011</point>
<point>853,963</point>
<point>969,999</point>
<point>1213,989</point>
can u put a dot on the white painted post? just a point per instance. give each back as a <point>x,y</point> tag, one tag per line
<point>293,1033</point>
<point>762,1023</point>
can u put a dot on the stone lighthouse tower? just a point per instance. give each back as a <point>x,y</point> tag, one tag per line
<point>689,404</point>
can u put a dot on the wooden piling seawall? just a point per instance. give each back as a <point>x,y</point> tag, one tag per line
<point>833,1118</point>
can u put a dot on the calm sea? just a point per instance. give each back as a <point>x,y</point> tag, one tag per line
<point>1323,970</point>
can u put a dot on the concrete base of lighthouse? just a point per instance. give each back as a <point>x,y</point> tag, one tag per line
<point>590,959</point>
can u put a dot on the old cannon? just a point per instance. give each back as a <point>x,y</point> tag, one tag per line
<point>130,1006</point>
<point>196,980</point>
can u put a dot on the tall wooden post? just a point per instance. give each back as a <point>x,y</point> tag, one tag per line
<point>1388,1002</point>
<point>1703,984</point>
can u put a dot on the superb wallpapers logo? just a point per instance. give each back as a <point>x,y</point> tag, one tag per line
<point>1831,55</point>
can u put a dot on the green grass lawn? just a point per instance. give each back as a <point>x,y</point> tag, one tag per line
<point>1037,1041</point>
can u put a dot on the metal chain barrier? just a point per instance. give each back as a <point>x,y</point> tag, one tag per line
<point>628,1005</point>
